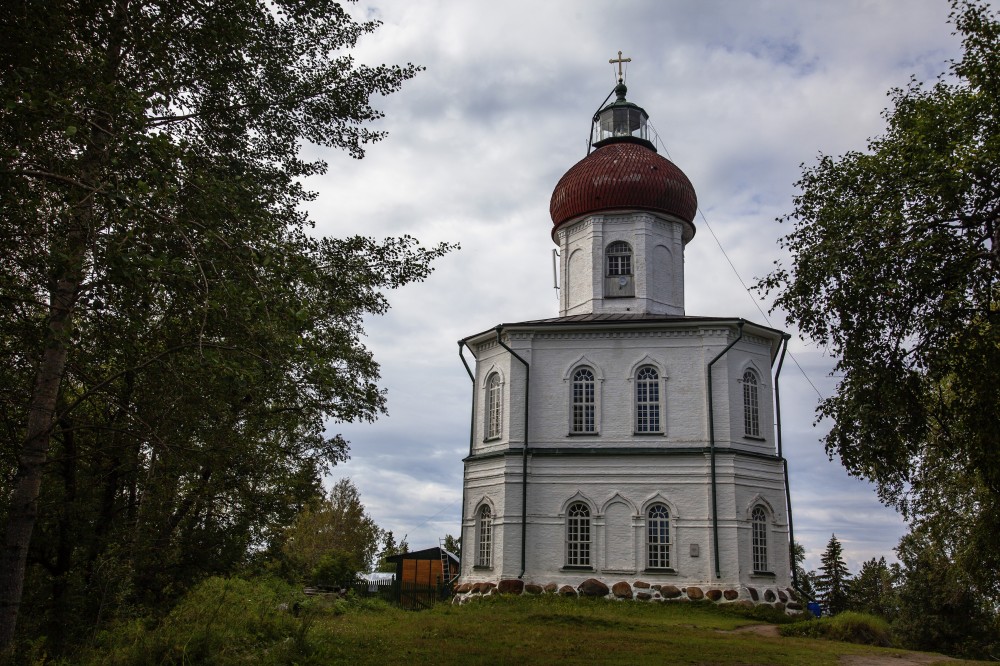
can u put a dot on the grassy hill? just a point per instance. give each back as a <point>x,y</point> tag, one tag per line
<point>239,622</point>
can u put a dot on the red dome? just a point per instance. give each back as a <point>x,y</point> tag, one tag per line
<point>623,175</point>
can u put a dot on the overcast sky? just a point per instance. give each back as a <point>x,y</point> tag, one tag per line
<point>741,93</point>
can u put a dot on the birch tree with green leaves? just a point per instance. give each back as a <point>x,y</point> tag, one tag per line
<point>173,337</point>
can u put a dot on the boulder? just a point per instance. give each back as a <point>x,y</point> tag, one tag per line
<point>643,596</point>
<point>657,587</point>
<point>753,593</point>
<point>779,606</point>
<point>731,595</point>
<point>593,588</point>
<point>782,597</point>
<point>622,590</point>
<point>670,591</point>
<point>769,596</point>
<point>531,588</point>
<point>551,587</point>
<point>794,605</point>
<point>641,584</point>
<point>567,591</point>
<point>463,588</point>
<point>695,593</point>
<point>511,586</point>
<point>745,603</point>
<point>714,595</point>
<point>791,594</point>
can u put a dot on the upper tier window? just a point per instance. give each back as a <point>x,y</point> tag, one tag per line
<point>619,256</point>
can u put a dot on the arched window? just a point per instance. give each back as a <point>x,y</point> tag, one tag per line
<point>647,400</point>
<point>658,537</point>
<point>618,281</point>
<point>751,405</point>
<point>584,402</point>
<point>758,522</point>
<point>494,402</point>
<point>484,538</point>
<point>619,259</point>
<point>578,535</point>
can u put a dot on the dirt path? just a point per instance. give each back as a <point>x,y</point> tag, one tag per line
<point>898,659</point>
<point>904,659</point>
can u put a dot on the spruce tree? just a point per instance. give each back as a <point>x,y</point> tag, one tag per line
<point>834,578</point>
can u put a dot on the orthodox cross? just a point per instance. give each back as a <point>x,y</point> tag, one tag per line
<point>620,60</point>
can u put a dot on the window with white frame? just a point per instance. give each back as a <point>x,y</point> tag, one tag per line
<point>658,537</point>
<point>619,259</point>
<point>758,522</point>
<point>484,538</point>
<point>578,535</point>
<point>584,402</point>
<point>494,402</point>
<point>751,404</point>
<point>647,400</point>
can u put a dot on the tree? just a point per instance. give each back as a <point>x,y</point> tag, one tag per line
<point>940,607</point>
<point>834,578</point>
<point>173,339</point>
<point>453,545</point>
<point>873,590</point>
<point>337,524</point>
<point>895,266</point>
<point>805,579</point>
<point>390,548</point>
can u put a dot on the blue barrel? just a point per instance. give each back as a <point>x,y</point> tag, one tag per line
<point>814,608</point>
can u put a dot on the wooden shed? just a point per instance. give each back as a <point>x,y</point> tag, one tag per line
<point>423,575</point>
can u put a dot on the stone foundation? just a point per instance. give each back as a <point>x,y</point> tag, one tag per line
<point>781,599</point>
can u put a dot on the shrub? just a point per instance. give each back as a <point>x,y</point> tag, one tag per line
<point>848,626</point>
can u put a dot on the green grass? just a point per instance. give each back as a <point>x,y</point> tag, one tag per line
<point>847,626</point>
<point>239,622</point>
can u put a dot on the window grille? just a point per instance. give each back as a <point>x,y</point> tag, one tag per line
<point>751,409</point>
<point>493,406</point>
<point>658,537</point>
<point>484,556</point>
<point>578,535</point>
<point>584,405</point>
<point>758,520</point>
<point>647,400</point>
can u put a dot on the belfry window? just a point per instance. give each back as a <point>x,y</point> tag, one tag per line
<point>751,405</point>
<point>494,402</point>
<point>647,400</point>
<point>484,538</point>
<point>618,280</point>
<point>758,522</point>
<point>658,537</point>
<point>578,535</point>
<point>619,259</point>
<point>584,402</point>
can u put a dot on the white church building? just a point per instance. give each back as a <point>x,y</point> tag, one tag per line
<point>623,441</point>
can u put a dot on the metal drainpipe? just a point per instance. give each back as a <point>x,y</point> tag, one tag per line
<point>472,434</point>
<point>524,453</point>
<point>784,463</point>
<point>711,441</point>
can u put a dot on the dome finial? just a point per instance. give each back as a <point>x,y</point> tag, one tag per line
<point>620,60</point>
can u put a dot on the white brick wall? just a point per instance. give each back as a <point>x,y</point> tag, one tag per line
<point>619,485</point>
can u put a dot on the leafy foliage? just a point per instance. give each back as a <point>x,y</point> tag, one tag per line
<point>896,259</point>
<point>833,580</point>
<point>873,590</point>
<point>173,339</point>
<point>849,626</point>
<point>336,527</point>
<point>940,607</point>
<point>390,548</point>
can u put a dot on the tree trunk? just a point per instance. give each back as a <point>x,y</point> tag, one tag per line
<point>41,415</point>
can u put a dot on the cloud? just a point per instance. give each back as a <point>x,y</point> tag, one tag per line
<point>741,93</point>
